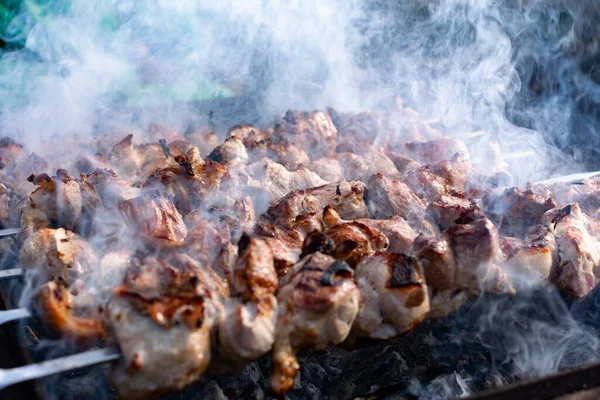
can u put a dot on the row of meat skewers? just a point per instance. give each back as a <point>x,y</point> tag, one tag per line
<point>324,228</point>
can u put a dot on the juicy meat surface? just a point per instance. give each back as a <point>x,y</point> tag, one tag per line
<point>447,208</point>
<point>578,250</point>
<point>514,211</point>
<point>393,295</point>
<point>230,154</point>
<point>387,198</point>
<point>436,150</point>
<point>161,327</point>
<point>56,202</point>
<point>318,302</point>
<point>314,132</point>
<point>57,253</point>
<point>345,197</point>
<point>247,330</point>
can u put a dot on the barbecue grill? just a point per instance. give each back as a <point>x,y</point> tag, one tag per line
<point>450,357</point>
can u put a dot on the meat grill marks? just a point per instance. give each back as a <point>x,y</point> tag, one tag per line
<point>294,236</point>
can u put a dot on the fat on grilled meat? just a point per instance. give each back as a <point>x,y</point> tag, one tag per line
<point>433,180</point>
<point>393,295</point>
<point>318,302</point>
<point>514,211</point>
<point>345,197</point>
<point>578,249</point>
<point>56,202</point>
<point>531,260</point>
<point>399,233</point>
<point>57,253</point>
<point>162,317</point>
<point>247,328</point>
<point>189,183</point>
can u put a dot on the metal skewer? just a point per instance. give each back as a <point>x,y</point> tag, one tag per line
<point>9,232</point>
<point>13,315</point>
<point>28,372</point>
<point>11,273</point>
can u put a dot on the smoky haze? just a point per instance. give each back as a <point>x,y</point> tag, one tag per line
<point>461,64</point>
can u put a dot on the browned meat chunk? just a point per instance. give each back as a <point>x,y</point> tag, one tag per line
<point>514,211</point>
<point>313,132</point>
<point>57,253</point>
<point>55,203</point>
<point>529,261</point>
<point>247,330</point>
<point>189,183</point>
<point>345,197</point>
<point>155,219</point>
<point>578,250</point>
<point>387,198</point>
<point>350,242</point>
<point>136,162</point>
<point>433,180</point>
<point>398,232</point>
<point>585,192</point>
<point>22,168</point>
<point>393,295</point>
<point>318,302</point>
<point>162,318</point>
<point>447,208</point>
<point>111,189</point>
<point>58,308</point>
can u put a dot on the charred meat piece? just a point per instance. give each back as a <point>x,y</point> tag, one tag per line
<point>318,302</point>
<point>393,295</point>
<point>340,167</point>
<point>284,258</point>
<point>278,181</point>
<point>230,154</point>
<point>314,132</point>
<point>578,250</point>
<point>398,232</point>
<point>402,163</point>
<point>58,308</point>
<point>345,197</point>
<point>351,241</point>
<point>55,203</point>
<point>155,219</point>
<point>433,180</point>
<point>57,253</point>
<point>514,211</point>
<point>247,330</point>
<point>387,198</point>
<point>189,183</point>
<point>161,326</point>
<point>447,208</point>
